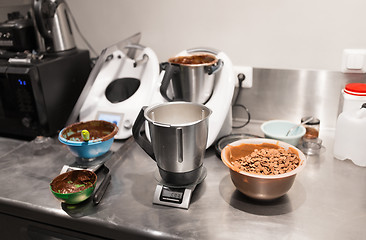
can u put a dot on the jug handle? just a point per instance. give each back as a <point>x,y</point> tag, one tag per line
<point>136,132</point>
<point>170,70</point>
<point>37,7</point>
<point>214,68</point>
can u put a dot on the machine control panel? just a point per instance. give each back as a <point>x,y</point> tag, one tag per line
<point>110,117</point>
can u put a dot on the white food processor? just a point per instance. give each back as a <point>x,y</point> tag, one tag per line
<point>220,122</point>
<point>121,87</point>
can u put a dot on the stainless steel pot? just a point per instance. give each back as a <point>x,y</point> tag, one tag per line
<point>192,77</point>
<point>178,133</point>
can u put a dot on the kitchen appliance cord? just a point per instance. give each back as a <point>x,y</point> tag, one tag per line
<point>78,30</point>
<point>241,78</point>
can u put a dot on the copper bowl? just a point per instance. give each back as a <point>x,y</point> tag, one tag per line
<point>262,187</point>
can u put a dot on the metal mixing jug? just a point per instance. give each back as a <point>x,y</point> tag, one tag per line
<point>178,133</point>
<point>54,25</point>
<point>192,77</point>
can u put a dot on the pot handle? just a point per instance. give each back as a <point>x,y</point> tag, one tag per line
<point>170,70</point>
<point>136,132</point>
<point>41,23</point>
<point>214,68</point>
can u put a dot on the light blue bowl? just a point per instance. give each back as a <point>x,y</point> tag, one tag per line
<point>277,129</point>
<point>101,138</point>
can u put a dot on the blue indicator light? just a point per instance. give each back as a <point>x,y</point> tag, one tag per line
<point>22,82</point>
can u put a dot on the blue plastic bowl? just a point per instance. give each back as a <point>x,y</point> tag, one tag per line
<point>101,138</point>
<point>277,129</point>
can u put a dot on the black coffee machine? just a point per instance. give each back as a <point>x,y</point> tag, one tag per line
<point>42,73</point>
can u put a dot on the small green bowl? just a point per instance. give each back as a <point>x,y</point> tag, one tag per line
<point>65,186</point>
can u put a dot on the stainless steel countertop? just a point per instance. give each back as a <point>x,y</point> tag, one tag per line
<point>327,200</point>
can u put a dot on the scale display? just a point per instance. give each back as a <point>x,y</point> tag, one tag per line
<point>174,195</point>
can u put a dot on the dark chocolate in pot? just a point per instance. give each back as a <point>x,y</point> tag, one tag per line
<point>194,59</point>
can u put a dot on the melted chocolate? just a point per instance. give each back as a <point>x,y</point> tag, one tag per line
<point>194,59</point>
<point>97,129</point>
<point>73,181</point>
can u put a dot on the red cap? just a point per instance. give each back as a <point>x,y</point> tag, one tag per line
<point>357,89</point>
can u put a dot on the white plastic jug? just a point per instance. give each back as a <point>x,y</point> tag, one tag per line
<point>350,136</point>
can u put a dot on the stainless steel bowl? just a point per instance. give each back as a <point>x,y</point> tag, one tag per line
<point>263,187</point>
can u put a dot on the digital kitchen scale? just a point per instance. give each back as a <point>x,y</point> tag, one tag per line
<point>97,166</point>
<point>92,164</point>
<point>173,195</point>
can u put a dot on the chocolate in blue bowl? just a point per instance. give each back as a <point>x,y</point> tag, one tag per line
<point>100,138</point>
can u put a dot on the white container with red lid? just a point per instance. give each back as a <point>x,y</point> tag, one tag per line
<point>354,95</point>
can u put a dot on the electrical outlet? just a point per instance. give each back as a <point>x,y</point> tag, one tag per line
<point>248,72</point>
<point>354,61</point>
